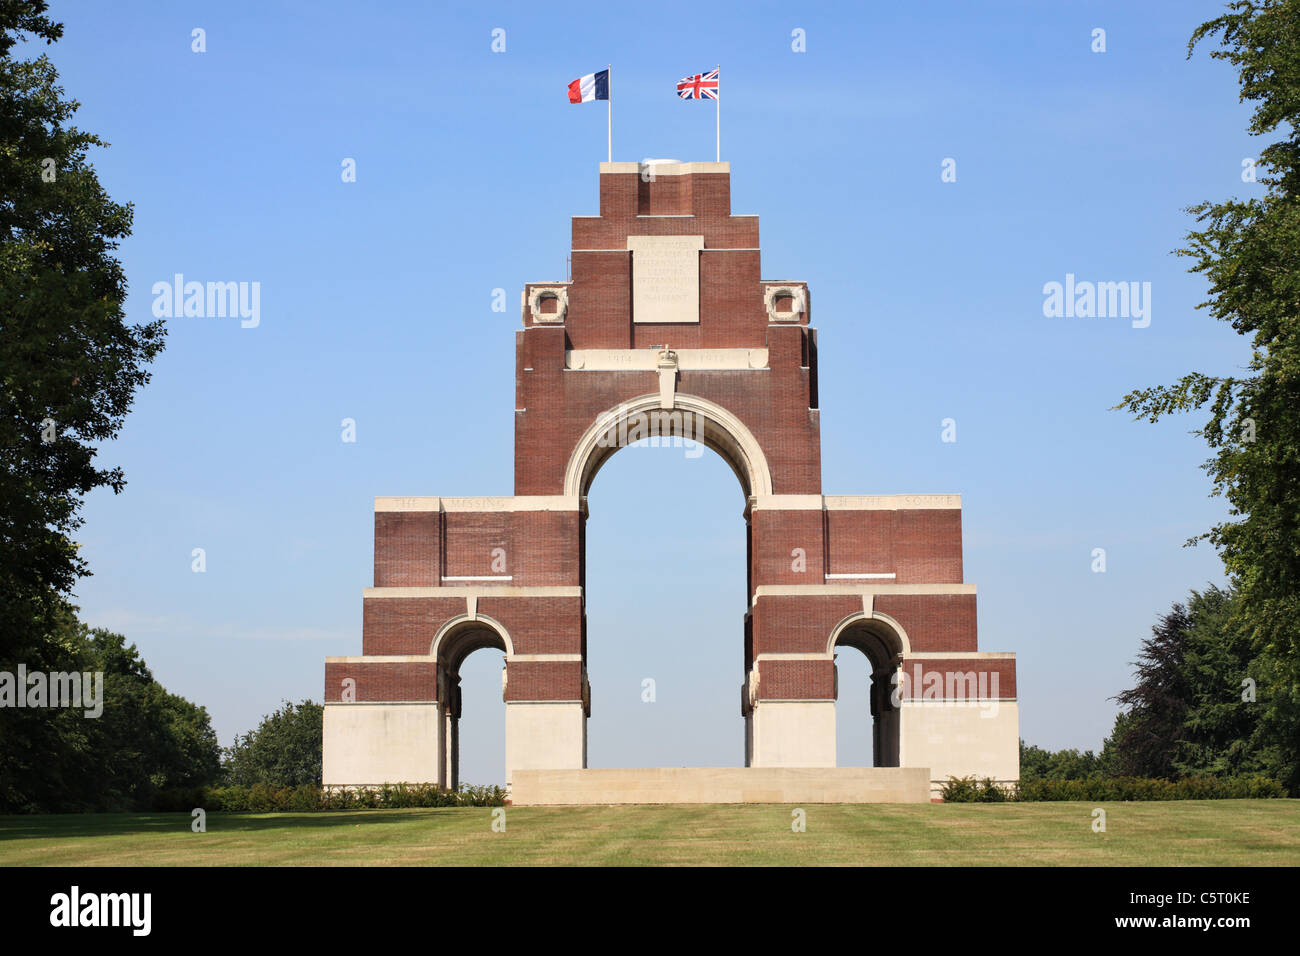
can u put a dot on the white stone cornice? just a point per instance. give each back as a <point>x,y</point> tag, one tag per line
<point>460,593</point>
<point>805,590</point>
<point>856,502</point>
<point>666,169</point>
<point>490,503</point>
<point>688,360</point>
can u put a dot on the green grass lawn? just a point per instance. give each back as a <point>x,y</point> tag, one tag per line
<point>1202,832</point>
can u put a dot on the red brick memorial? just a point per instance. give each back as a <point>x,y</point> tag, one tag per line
<point>666,331</point>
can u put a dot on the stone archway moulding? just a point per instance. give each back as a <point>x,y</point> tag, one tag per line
<point>724,433</point>
<point>861,617</point>
<point>457,623</point>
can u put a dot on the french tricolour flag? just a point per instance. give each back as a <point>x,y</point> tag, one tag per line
<point>593,86</point>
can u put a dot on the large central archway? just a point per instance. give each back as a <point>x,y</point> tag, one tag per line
<point>645,419</point>
<point>665,596</point>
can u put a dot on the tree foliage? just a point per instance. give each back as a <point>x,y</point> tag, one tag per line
<point>1039,764</point>
<point>284,750</point>
<point>1149,730</point>
<point>1249,250</point>
<point>69,362</point>
<point>1192,712</point>
<point>56,759</point>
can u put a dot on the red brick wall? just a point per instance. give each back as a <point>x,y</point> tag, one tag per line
<point>470,540</point>
<point>934,622</point>
<point>786,624</point>
<point>413,549</point>
<point>927,546</point>
<point>407,549</point>
<point>776,535</point>
<point>773,405</point>
<point>404,625</point>
<point>803,623</point>
<point>919,546</point>
<point>600,300</point>
<point>545,548</point>
<point>796,680</point>
<point>544,680</point>
<point>916,672</point>
<point>538,625</point>
<point>383,681</point>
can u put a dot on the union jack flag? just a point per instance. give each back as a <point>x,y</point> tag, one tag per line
<point>701,86</point>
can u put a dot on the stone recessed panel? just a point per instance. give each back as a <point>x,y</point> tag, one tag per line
<point>665,278</point>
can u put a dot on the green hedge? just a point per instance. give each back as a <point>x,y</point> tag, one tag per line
<point>969,790</point>
<point>263,798</point>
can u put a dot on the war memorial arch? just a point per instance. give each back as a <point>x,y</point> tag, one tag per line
<point>667,328</point>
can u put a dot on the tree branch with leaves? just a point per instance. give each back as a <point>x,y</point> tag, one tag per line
<point>1249,250</point>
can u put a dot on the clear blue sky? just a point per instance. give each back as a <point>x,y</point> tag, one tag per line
<point>376,306</point>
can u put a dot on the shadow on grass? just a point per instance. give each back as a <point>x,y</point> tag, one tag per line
<point>55,826</point>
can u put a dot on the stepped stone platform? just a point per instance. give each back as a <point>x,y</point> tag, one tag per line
<point>721,785</point>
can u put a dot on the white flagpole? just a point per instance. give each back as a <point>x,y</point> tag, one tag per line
<point>718,116</point>
<point>609,128</point>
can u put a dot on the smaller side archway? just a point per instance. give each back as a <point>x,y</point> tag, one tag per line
<point>883,642</point>
<point>455,641</point>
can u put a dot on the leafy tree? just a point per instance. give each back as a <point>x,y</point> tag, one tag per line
<point>151,739</point>
<point>1249,249</point>
<point>284,750</point>
<point>1188,715</point>
<point>46,756</point>
<point>145,739</point>
<point>69,363</point>
<point>1039,764</point>
<point>1221,726</point>
<point>1115,759</point>
<point>1157,704</point>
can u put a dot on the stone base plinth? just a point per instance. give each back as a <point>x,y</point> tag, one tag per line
<point>722,785</point>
